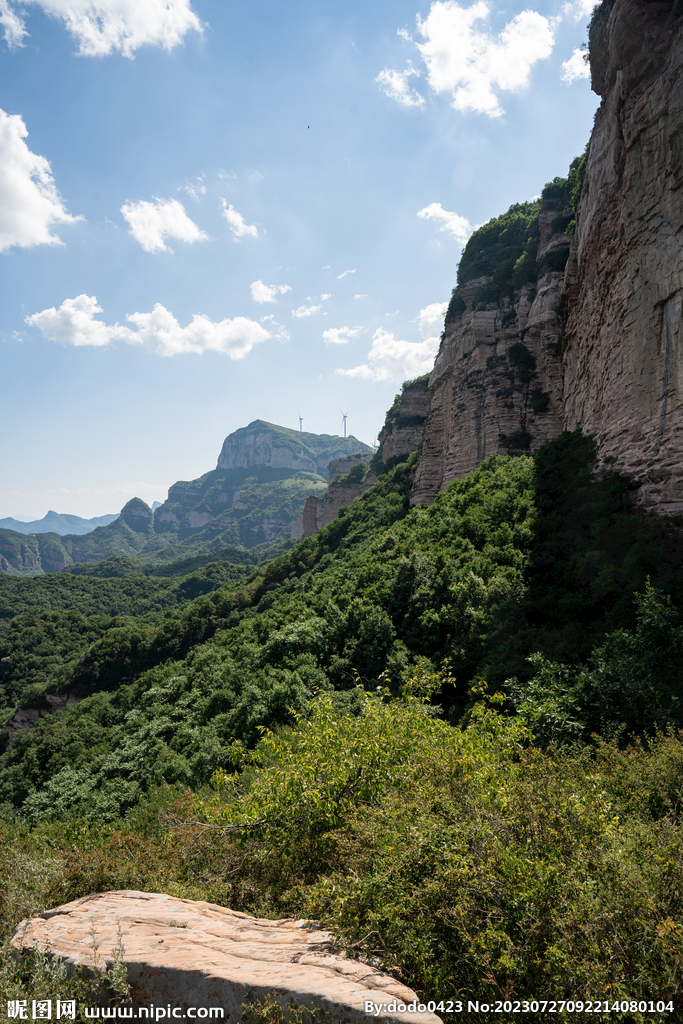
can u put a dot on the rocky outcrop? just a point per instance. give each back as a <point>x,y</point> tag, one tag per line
<point>138,516</point>
<point>496,386</point>
<point>339,466</point>
<point>27,556</point>
<point>193,954</point>
<point>598,343</point>
<point>402,431</point>
<point>344,491</point>
<point>623,362</point>
<point>264,444</point>
<point>255,496</point>
<point>344,487</point>
<point>26,718</point>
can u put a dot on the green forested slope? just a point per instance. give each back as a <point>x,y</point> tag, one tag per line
<point>521,556</point>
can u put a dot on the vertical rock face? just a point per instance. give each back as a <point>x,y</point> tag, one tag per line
<point>402,432</point>
<point>137,515</point>
<point>598,344</point>
<point>623,373</point>
<point>310,516</point>
<point>497,380</point>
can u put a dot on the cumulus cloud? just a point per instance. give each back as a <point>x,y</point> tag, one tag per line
<point>74,323</point>
<point>107,26</point>
<point>431,316</point>
<point>261,292</point>
<point>340,335</point>
<point>456,226</point>
<point>12,26</point>
<point>29,201</point>
<point>580,9</point>
<point>470,63</point>
<point>344,273</point>
<point>392,359</point>
<point>151,223</point>
<point>394,84</point>
<point>576,67</point>
<point>305,311</point>
<point>238,225</point>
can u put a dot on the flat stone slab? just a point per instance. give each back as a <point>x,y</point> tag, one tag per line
<point>189,954</point>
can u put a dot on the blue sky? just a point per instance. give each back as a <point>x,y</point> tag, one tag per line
<point>213,212</point>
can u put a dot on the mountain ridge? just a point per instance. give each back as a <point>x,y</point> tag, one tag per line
<point>61,523</point>
<point>263,476</point>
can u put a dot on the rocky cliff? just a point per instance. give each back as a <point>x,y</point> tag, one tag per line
<point>583,329</point>
<point>497,382</point>
<point>353,475</point>
<point>623,356</point>
<point>402,430</point>
<point>265,445</point>
<point>263,477</point>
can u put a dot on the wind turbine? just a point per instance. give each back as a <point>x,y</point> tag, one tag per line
<point>344,415</point>
<point>301,422</point>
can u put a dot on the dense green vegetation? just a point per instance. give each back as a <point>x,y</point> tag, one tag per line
<point>523,555</point>
<point>505,249</point>
<point>473,772</point>
<point>481,865</point>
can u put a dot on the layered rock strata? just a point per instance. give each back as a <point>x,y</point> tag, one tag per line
<point>402,435</point>
<point>496,386</point>
<point>319,511</point>
<point>606,334</point>
<point>623,362</point>
<point>192,954</point>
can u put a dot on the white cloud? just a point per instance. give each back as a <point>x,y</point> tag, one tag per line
<point>238,225</point>
<point>394,84</point>
<point>74,323</point>
<point>344,273</point>
<point>305,311</point>
<point>29,201</point>
<point>327,267</point>
<point>151,223</point>
<point>255,177</point>
<point>261,292</point>
<point>457,227</point>
<point>580,9</point>
<point>469,62</point>
<point>404,34</point>
<point>106,26</point>
<point>326,296</point>
<point>430,316</point>
<point>194,191</point>
<point>340,335</point>
<point>361,296</point>
<point>12,26</point>
<point>576,67</point>
<point>391,359</point>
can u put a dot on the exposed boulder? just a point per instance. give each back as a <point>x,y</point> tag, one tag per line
<point>194,954</point>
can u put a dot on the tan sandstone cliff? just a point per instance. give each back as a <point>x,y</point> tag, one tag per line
<point>497,381</point>
<point>623,359</point>
<point>604,333</point>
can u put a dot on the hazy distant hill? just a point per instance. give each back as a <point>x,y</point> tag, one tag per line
<point>264,475</point>
<point>58,522</point>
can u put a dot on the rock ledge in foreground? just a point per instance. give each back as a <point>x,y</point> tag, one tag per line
<point>194,954</point>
